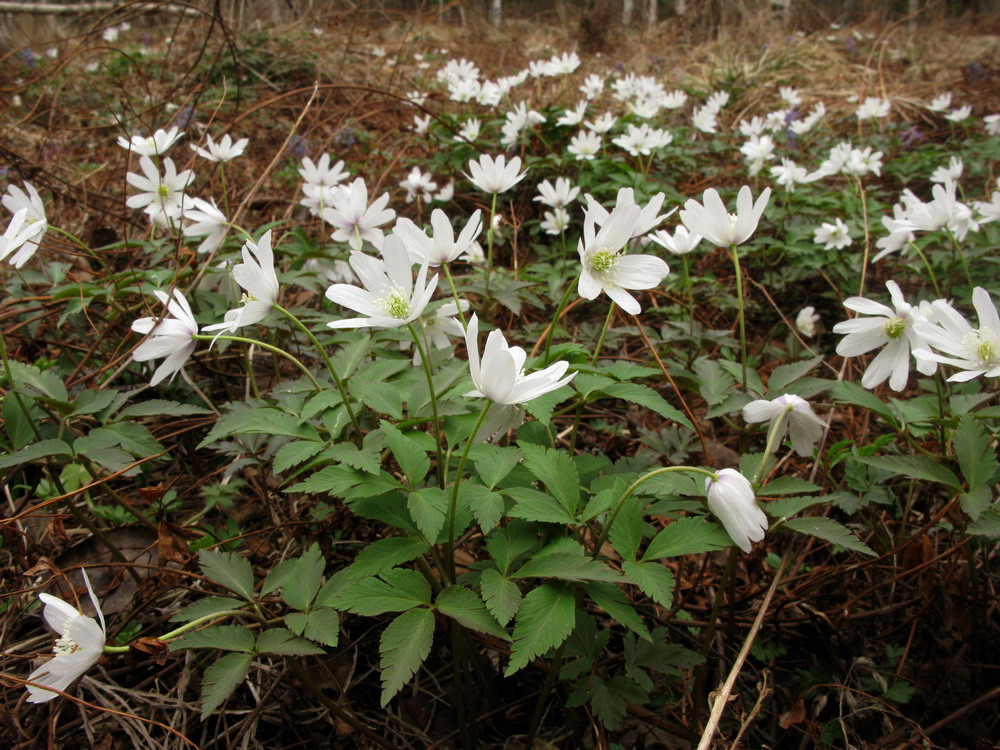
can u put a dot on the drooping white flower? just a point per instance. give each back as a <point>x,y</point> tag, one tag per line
<point>499,375</point>
<point>167,337</point>
<point>224,150</point>
<point>495,175</point>
<point>440,328</point>
<point>206,221</point>
<point>806,321</point>
<point>443,247</point>
<point>605,266</point>
<point>390,298</point>
<point>155,145</point>
<point>421,124</point>
<point>975,351</point>
<point>731,500</point>
<point>712,221</point>
<point>835,236</point>
<point>80,645</point>
<point>890,329</point>
<point>19,232</point>
<point>257,278</point>
<point>681,242</point>
<point>789,414</point>
<point>559,195</point>
<point>353,218</point>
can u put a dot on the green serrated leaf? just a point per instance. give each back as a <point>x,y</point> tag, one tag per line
<point>735,370</point>
<point>974,449</point>
<point>686,536</point>
<point>277,576</point>
<point>465,607</point>
<point>567,567</point>
<point>306,577</point>
<point>625,534</point>
<point>788,486</point>
<point>404,646</point>
<point>545,619</point>
<point>377,396</point>
<point>487,506</point>
<point>645,396</point>
<point>91,401</point>
<point>320,625</point>
<point>224,637</point>
<point>714,383</point>
<point>975,502</point>
<point>507,543</point>
<point>654,580</point>
<point>366,459</point>
<point>384,554</point>
<point>849,393</point>
<point>784,375</point>
<point>36,451</point>
<point>282,642</point>
<point>229,570</point>
<point>293,454</point>
<point>502,596</point>
<point>790,506</point>
<point>494,463</point>
<point>830,531</point>
<point>412,459</point>
<point>428,507</point>
<point>345,482</point>
<point>915,467</point>
<point>532,505</point>
<point>160,407</point>
<point>221,679</point>
<point>556,470</point>
<point>205,607</point>
<point>988,523</point>
<point>261,421</point>
<point>397,591</point>
<point>612,600</point>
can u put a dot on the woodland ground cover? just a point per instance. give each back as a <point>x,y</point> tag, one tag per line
<point>382,386</point>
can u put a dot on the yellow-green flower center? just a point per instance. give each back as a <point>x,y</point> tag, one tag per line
<point>396,305</point>
<point>895,327</point>
<point>603,260</point>
<point>65,645</point>
<point>163,190</point>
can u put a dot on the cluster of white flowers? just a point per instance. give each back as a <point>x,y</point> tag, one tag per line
<point>943,211</point>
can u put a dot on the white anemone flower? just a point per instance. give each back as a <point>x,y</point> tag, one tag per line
<point>731,500</point>
<point>35,222</point>
<point>975,351</point>
<point>892,330</point>
<point>559,195</point>
<point>585,145</point>
<point>161,197</point>
<point>321,173</point>
<point>257,278</point>
<point>353,218</point>
<point>806,321</point>
<point>155,145</point>
<point>224,150</point>
<point>835,236</point>
<point>789,414</point>
<point>499,375</point>
<point>443,247</point>
<point>681,242</point>
<point>167,337</point>
<point>206,221</point>
<point>495,175</point>
<point>712,221</point>
<point>19,233</point>
<point>390,297</point>
<point>605,267</point>
<point>79,646</point>
<point>555,221</point>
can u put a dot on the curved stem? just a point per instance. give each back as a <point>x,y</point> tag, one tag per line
<point>555,319</point>
<point>425,361</point>
<point>742,317</point>
<point>632,488</point>
<point>489,244</point>
<point>454,294</point>
<point>186,627</point>
<point>453,500</point>
<point>927,264</point>
<point>593,359</point>
<point>273,349</point>
<point>777,425</point>
<point>329,367</point>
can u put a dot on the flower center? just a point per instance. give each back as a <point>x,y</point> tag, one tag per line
<point>603,261</point>
<point>983,347</point>
<point>895,327</point>
<point>65,645</point>
<point>396,305</point>
<point>164,191</point>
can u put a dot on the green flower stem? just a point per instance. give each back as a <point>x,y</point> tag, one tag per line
<point>593,360</point>
<point>268,347</point>
<point>489,244</point>
<point>555,319</point>
<point>225,190</point>
<point>688,291</point>
<point>927,265</point>
<point>329,366</point>
<point>742,314</point>
<point>425,361</point>
<point>453,500</point>
<point>632,488</point>
<point>454,294</point>
<point>956,250</point>
<point>772,433</point>
<point>186,627</point>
